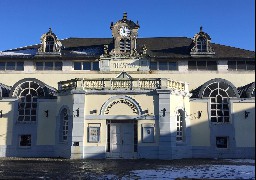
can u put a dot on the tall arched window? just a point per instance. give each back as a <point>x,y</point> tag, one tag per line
<point>28,93</point>
<point>201,44</point>
<point>180,120</point>
<point>219,94</point>
<point>49,44</point>
<point>64,124</point>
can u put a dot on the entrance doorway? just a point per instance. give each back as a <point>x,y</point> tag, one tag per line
<point>122,139</point>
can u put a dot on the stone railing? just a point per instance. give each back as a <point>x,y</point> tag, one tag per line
<point>122,84</point>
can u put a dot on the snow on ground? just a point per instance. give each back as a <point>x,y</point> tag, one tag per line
<point>252,161</point>
<point>201,172</point>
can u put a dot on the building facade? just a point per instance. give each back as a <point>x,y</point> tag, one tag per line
<point>127,97</point>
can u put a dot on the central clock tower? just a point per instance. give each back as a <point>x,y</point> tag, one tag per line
<point>124,56</point>
<point>125,33</point>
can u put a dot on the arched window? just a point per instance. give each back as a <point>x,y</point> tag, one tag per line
<point>180,120</point>
<point>64,124</point>
<point>201,44</point>
<point>219,94</point>
<point>28,93</point>
<point>49,44</point>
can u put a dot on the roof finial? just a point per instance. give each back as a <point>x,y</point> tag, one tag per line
<point>201,28</point>
<point>50,29</point>
<point>125,16</point>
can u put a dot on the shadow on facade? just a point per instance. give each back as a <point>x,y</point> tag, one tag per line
<point>201,139</point>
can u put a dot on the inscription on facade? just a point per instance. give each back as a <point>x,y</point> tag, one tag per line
<point>122,101</point>
<point>127,65</point>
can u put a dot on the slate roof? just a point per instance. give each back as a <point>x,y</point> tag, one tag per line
<point>158,47</point>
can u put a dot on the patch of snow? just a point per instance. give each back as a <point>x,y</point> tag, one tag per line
<point>89,51</point>
<point>252,161</point>
<point>19,52</point>
<point>202,172</point>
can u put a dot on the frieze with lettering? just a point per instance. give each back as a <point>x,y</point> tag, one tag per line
<point>122,101</point>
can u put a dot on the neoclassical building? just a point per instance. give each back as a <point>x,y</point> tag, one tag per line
<point>127,97</point>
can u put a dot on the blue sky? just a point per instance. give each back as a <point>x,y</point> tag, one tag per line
<point>228,22</point>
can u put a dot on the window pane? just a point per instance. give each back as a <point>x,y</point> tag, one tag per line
<point>58,65</point>
<point>10,66</point>
<point>201,65</point>
<point>250,65</point>
<point>2,66</point>
<point>95,66</point>
<point>48,66</point>
<point>153,65</point>
<point>20,66</point>
<point>231,65</point>
<point>241,65</point>
<point>77,66</point>
<point>163,66</point>
<point>192,65</point>
<point>173,66</point>
<point>212,65</point>
<point>86,65</point>
<point>39,66</point>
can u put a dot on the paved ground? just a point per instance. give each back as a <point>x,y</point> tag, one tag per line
<point>15,168</point>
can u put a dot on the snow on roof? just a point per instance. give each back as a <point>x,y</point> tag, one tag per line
<point>25,52</point>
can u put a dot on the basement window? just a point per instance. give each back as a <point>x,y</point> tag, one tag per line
<point>25,140</point>
<point>222,142</point>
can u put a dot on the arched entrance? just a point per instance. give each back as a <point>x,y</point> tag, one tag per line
<point>122,137</point>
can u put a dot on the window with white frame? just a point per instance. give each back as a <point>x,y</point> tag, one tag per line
<point>64,125</point>
<point>180,126</point>
<point>219,94</point>
<point>11,66</point>
<point>49,66</point>
<point>28,93</point>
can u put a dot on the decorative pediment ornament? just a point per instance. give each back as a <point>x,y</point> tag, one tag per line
<point>50,43</point>
<point>124,75</point>
<point>201,44</point>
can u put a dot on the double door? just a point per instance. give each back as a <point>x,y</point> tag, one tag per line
<point>121,140</point>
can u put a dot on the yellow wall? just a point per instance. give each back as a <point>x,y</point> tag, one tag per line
<point>195,79</point>
<point>244,128</point>
<point>46,125</point>
<point>200,132</point>
<point>6,123</point>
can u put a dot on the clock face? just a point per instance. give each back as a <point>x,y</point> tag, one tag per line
<point>124,31</point>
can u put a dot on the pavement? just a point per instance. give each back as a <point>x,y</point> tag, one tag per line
<point>44,168</point>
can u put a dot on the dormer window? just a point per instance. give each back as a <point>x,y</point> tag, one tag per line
<point>50,45</point>
<point>201,45</point>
